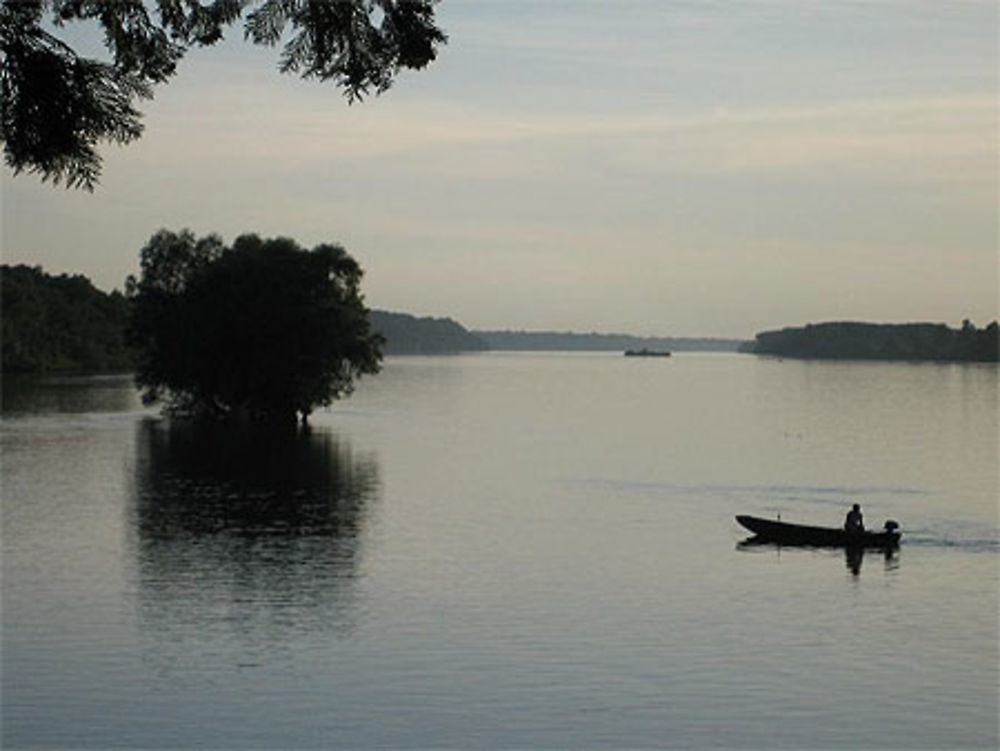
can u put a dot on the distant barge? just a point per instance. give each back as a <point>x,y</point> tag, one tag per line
<point>646,353</point>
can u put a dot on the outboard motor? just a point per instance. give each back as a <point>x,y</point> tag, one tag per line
<point>891,526</point>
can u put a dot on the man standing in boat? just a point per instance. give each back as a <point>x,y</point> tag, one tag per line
<point>854,522</point>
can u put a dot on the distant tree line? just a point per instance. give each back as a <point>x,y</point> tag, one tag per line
<point>593,342</point>
<point>408,335</point>
<point>53,323</point>
<point>871,341</point>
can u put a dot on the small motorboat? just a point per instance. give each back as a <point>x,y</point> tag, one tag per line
<point>783,533</point>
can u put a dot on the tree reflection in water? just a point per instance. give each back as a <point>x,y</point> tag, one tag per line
<point>252,535</point>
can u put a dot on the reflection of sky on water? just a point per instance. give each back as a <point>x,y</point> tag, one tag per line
<point>252,535</point>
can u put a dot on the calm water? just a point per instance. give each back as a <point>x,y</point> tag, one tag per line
<point>508,550</point>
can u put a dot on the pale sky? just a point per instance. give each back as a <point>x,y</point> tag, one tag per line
<point>658,167</point>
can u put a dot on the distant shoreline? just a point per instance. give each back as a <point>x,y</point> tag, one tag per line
<point>64,324</point>
<point>568,341</point>
<point>850,340</point>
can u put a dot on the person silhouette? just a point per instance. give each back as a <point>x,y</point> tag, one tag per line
<point>854,521</point>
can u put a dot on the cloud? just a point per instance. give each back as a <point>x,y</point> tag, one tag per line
<point>452,138</point>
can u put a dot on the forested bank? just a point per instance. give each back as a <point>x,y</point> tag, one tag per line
<point>872,341</point>
<point>61,323</point>
<point>408,335</point>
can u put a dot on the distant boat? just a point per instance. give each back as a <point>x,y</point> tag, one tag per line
<point>646,353</point>
<point>768,530</point>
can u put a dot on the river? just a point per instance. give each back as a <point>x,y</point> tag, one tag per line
<point>530,550</point>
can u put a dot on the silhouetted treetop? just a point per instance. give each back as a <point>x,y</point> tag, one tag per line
<point>57,105</point>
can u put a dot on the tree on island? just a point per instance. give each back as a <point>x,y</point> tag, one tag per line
<point>262,330</point>
<point>58,105</point>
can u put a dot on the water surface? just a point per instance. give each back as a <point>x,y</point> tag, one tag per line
<point>508,550</point>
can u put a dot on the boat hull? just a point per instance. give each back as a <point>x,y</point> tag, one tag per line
<point>768,530</point>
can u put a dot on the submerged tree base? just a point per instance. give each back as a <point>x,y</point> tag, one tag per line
<point>186,408</point>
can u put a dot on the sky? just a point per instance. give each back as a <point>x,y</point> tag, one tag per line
<point>654,167</point>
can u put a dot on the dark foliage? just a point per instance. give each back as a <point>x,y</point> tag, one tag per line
<point>409,335</point>
<point>263,329</point>
<point>61,323</point>
<point>870,341</point>
<point>57,105</point>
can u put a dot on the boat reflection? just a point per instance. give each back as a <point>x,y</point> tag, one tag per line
<point>853,556</point>
<point>253,532</point>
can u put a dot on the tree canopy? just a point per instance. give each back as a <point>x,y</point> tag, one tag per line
<point>58,105</point>
<point>264,328</point>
